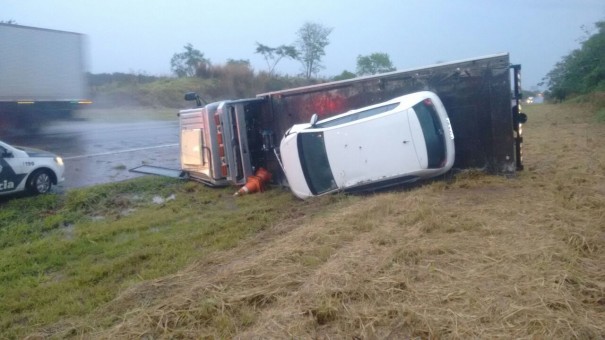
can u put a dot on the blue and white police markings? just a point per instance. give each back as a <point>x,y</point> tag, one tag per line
<point>8,177</point>
<point>27,169</point>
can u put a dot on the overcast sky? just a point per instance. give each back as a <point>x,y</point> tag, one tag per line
<point>142,35</point>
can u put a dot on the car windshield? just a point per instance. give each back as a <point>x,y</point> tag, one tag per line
<point>433,132</point>
<point>356,116</point>
<point>314,162</point>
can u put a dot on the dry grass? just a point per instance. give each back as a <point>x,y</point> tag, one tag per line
<point>476,257</point>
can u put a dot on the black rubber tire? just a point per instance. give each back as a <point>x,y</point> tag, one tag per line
<point>39,182</point>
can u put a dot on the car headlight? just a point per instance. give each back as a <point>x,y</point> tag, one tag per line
<point>59,160</point>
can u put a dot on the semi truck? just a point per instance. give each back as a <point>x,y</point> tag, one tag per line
<point>42,76</point>
<point>228,142</point>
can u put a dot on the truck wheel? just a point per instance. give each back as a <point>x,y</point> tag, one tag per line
<point>39,182</point>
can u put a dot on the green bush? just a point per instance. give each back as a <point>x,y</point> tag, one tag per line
<point>219,82</point>
<point>582,71</point>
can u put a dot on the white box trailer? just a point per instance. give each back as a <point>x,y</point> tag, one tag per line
<point>42,75</point>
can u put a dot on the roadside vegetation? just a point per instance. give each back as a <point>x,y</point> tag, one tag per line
<point>469,256</point>
<point>230,81</point>
<point>67,255</point>
<point>582,71</point>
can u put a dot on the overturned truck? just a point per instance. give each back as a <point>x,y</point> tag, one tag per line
<point>226,142</point>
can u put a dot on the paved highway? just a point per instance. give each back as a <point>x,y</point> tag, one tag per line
<point>103,152</point>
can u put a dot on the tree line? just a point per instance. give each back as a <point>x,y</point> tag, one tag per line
<point>582,71</point>
<point>233,79</point>
<point>308,49</point>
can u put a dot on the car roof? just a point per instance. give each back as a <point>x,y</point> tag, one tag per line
<point>405,101</point>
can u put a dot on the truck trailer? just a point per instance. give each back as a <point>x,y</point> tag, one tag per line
<point>226,142</point>
<point>42,76</point>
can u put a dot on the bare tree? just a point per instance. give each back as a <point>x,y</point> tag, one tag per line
<point>312,40</point>
<point>273,55</point>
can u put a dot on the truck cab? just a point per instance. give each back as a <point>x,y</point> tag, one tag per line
<point>221,143</point>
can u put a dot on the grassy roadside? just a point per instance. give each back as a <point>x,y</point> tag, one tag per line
<point>62,256</point>
<point>476,256</point>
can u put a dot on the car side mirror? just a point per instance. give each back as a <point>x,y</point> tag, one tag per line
<point>313,119</point>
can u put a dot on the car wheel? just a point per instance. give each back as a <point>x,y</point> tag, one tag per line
<point>39,182</point>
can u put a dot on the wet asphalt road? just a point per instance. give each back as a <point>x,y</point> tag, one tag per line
<point>104,152</point>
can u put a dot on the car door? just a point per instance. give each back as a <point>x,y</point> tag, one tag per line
<point>372,149</point>
<point>12,170</point>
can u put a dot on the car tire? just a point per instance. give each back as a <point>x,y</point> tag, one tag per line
<point>39,182</point>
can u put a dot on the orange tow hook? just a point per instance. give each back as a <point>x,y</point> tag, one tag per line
<point>255,183</point>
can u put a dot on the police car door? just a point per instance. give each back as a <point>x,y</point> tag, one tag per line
<point>12,170</point>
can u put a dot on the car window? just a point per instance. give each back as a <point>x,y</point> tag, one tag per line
<point>433,132</point>
<point>315,164</point>
<point>357,115</point>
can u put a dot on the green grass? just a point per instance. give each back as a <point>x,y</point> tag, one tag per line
<point>65,255</point>
<point>591,102</point>
<point>601,115</point>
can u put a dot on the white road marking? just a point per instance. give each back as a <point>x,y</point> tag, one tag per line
<point>121,151</point>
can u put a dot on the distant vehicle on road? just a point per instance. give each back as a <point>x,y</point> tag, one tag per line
<point>401,140</point>
<point>42,76</point>
<point>27,169</point>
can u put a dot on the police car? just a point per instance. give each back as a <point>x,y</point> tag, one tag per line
<point>27,169</point>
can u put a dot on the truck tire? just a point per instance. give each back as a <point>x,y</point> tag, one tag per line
<point>39,182</point>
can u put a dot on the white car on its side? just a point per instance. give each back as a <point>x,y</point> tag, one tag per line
<point>398,141</point>
<point>27,169</point>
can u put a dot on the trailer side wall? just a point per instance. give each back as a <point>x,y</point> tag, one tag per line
<point>476,94</point>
